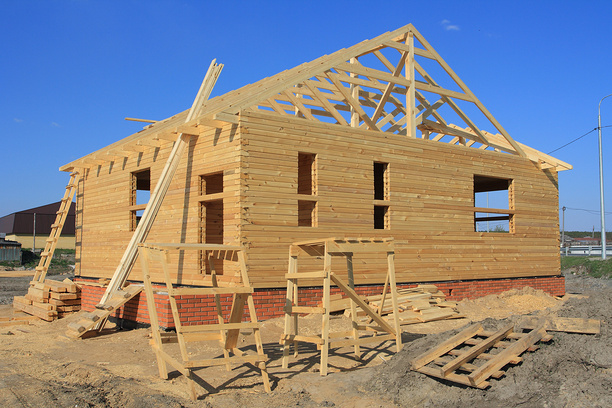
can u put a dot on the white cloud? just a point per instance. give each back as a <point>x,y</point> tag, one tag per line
<point>18,120</point>
<point>448,26</point>
<point>55,124</point>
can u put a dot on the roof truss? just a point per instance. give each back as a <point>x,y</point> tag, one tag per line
<point>386,87</point>
<point>395,83</point>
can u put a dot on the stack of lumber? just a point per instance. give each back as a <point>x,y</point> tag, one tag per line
<point>425,303</point>
<point>50,300</point>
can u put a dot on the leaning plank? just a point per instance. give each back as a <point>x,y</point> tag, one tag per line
<point>89,320</point>
<point>445,347</point>
<point>501,359</point>
<point>565,324</point>
<point>361,303</point>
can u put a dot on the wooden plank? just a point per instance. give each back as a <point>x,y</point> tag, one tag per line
<point>357,299</point>
<point>362,340</point>
<point>475,350</point>
<point>459,379</point>
<point>446,346</point>
<point>502,358</point>
<point>288,338</point>
<point>564,324</point>
<point>161,187</point>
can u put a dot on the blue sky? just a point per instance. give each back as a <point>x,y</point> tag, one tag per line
<point>71,70</point>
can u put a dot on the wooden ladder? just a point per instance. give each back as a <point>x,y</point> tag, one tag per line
<point>56,230</point>
<point>225,332</point>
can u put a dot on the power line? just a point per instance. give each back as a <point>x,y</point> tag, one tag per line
<point>578,138</point>
<point>585,210</point>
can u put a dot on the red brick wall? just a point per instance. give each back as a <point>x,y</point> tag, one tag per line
<point>269,302</point>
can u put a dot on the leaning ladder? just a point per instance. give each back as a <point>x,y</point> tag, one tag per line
<point>56,230</point>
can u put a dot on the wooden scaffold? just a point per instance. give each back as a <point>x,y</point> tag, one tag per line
<point>328,248</point>
<point>225,332</point>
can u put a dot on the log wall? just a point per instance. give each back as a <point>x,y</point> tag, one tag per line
<point>105,203</point>
<point>430,200</point>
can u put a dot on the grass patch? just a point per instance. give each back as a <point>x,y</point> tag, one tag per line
<point>62,261</point>
<point>584,265</point>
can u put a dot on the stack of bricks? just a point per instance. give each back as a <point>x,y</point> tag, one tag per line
<point>50,300</point>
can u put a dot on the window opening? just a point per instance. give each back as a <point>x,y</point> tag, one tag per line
<point>495,195</point>
<point>140,193</point>
<point>211,231</point>
<point>381,217</point>
<point>307,213</point>
<point>211,184</point>
<point>381,181</point>
<point>307,173</point>
<point>307,185</point>
<point>211,218</point>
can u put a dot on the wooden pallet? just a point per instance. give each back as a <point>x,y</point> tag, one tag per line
<point>474,355</point>
<point>89,320</point>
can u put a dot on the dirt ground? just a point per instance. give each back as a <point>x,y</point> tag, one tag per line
<point>39,366</point>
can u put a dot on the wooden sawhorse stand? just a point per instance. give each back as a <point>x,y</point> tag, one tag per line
<point>328,248</point>
<point>224,332</point>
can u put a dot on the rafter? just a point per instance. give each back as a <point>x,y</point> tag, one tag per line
<point>389,88</point>
<point>450,102</point>
<point>354,104</point>
<point>321,97</point>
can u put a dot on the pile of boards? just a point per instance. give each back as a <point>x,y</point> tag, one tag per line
<point>424,303</point>
<point>50,300</point>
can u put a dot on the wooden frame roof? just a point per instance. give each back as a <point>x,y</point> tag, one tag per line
<point>384,84</point>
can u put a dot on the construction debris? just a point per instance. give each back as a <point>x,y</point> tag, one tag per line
<point>16,320</point>
<point>50,300</point>
<point>424,303</point>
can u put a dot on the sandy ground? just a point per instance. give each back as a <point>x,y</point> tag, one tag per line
<point>39,366</point>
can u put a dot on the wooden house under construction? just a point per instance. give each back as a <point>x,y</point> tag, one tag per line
<point>381,139</point>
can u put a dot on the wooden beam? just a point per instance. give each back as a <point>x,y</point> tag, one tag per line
<point>353,103</point>
<point>452,103</point>
<point>467,91</point>
<point>410,91</point>
<point>142,120</point>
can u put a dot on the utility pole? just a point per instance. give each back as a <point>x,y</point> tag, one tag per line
<point>601,186</point>
<point>563,226</point>
<point>34,235</point>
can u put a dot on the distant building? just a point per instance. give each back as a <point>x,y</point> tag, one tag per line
<point>19,226</point>
<point>586,241</point>
<point>9,250</point>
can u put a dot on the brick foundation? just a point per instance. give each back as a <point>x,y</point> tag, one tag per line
<point>269,302</point>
